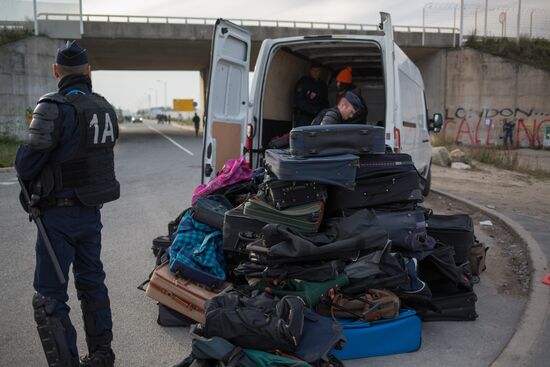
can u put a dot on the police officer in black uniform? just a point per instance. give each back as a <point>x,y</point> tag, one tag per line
<point>348,106</point>
<point>68,163</point>
<point>310,97</point>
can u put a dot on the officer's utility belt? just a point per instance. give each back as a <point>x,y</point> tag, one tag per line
<point>64,202</point>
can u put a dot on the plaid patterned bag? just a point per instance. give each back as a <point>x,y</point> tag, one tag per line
<point>197,253</point>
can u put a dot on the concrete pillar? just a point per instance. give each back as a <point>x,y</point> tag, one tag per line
<point>25,75</point>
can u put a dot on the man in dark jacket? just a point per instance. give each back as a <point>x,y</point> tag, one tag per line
<point>347,107</point>
<point>68,167</point>
<point>310,97</point>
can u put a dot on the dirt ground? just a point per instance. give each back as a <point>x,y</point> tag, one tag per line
<point>506,252</point>
<point>498,189</point>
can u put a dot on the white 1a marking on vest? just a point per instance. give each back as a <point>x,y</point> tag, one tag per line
<point>95,124</point>
<point>108,132</point>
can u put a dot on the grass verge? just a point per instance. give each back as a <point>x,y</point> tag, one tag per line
<point>12,35</point>
<point>504,158</point>
<point>535,52</point>
<point>8,148</point>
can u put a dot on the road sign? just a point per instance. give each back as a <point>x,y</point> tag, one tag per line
<point>183,105</point>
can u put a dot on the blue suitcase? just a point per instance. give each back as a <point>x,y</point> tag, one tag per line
<point>325,140</point>
<point>339,170</point>
<point>382,337</point>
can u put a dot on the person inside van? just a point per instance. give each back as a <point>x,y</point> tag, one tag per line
<point>310,97</point>
<point>345,109</point>
<point>344,84</point>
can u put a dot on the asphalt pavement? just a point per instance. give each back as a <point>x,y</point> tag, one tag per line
<point>158,167</point>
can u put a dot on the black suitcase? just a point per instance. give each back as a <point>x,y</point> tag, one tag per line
<point>239,230</point>
<point>372,164</point>
<point>336,170</point>
<point>211,210</point>
<point>326,140</point>
<point>377,190</point>
<point>455,307</point>
<point>284,194</point>
<point>455,230</point>
<point>170,318</point>
<point>160,244</point>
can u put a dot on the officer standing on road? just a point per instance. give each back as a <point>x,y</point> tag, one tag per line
<point>310,97</point>
<point>68,165</point>
<point>346,109</point>
<point>196,121</point>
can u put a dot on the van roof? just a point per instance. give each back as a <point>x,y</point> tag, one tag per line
<point>362,53</point>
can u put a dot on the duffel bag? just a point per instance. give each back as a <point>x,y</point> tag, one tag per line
<point>256,321</point>
<point>375,304</point>
<point>310,292</point>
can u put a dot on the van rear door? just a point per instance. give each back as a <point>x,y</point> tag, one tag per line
<point>227,97</point>
<point>393,137</point>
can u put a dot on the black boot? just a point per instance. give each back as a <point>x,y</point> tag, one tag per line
<point>103,356</point>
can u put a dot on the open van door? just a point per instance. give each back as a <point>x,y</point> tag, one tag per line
<point>390,71</point>
<point>227,97</point>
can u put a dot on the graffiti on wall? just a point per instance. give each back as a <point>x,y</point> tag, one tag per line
<point>485,127</point>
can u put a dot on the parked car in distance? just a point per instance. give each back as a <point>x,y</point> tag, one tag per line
<point>136,119</point>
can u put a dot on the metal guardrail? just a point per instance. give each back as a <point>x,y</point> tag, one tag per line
<point>241,22</point>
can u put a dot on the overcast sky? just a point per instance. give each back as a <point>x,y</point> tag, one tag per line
<point>132,90</point>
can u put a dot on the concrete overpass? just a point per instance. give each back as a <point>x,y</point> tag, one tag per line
<point>171,43</point>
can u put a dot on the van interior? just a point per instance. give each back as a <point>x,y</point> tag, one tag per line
<point>289,62</point>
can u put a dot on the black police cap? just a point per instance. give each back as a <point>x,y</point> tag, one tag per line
<point>71,55</point>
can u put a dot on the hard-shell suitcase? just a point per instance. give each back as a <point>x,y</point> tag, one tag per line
<point>336,170</point>
<point>376,190</point>
<point>284,194</point>
<point>455,307</point>
<point>382,337</point>
<point>455,230</point>
<point>180,294</point>
<point>325,140</point>
<point>211,210</point>
<point>304,218</point>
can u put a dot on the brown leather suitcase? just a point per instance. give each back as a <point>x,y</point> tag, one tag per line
<point>180,294</point>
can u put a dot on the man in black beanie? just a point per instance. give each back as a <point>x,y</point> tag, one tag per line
<point>68,167</point>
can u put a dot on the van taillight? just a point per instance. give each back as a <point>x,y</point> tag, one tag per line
<point>397,138</point>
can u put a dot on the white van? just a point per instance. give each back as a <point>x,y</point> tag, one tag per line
<point>241,121</point>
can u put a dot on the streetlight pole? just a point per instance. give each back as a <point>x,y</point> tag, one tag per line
<point>165,101</point>
<point>461,22</point>
<point>519,19</point>
<point>485,24</point>
<point>35,20</point>
<point>424,24</point>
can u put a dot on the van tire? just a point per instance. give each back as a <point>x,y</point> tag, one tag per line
<point>428,182</point>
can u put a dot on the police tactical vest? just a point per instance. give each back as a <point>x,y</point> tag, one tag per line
<point>90,172</point>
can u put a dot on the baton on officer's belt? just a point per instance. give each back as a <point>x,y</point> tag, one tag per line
<point>34,214</point>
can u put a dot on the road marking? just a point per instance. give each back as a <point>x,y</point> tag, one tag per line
<point>172,141</point>
<point>7,183</point>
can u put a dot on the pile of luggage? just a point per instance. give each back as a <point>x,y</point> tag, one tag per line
<point>324,254</point>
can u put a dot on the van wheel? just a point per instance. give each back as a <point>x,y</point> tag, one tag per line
<point>428,183</point>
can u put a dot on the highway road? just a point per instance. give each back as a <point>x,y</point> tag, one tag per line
<point>158,167</point>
